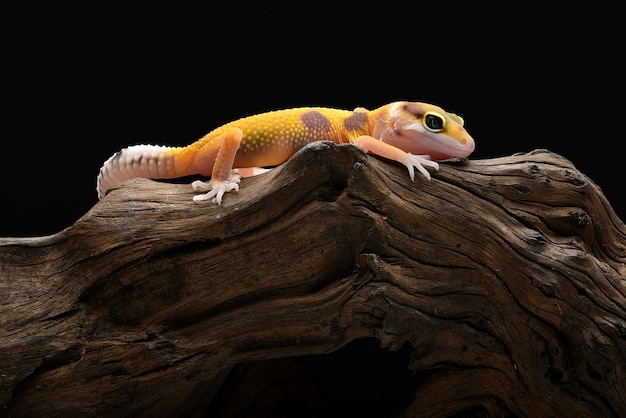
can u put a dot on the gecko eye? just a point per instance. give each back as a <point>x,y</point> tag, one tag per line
<point>434,122</point>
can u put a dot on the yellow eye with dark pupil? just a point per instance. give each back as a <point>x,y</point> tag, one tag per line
<point>434,122</point>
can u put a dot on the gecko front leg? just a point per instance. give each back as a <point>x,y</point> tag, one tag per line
<point>410,161</point>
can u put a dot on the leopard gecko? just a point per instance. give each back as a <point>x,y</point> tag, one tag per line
<point>412,133</point>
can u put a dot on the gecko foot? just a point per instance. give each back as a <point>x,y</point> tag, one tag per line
<point>215,189</point>
<point>419,161</point>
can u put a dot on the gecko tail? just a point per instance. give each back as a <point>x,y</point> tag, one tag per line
<point>146,161</point>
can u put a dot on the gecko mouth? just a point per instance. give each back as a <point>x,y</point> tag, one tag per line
<point>452,150</point>
<point>460,149</point>
<point>439,147</point>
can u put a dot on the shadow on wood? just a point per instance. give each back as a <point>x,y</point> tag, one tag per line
<point>503,281</point>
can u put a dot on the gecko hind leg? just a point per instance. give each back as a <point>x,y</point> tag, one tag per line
<point>206,186</point>
<point>221,151</point>
<point>215,189</point>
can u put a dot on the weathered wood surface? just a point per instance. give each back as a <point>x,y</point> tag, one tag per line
<point>506,277</point>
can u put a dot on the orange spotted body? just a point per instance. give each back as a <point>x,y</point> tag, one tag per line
<point>408,132</point>
<point>272,138</point>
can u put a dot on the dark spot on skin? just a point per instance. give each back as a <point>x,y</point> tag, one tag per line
<point>413,109</point>
<point>356,122</point>
<point>316,122</point>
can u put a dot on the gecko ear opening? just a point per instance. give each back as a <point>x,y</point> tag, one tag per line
<point>457,118</point>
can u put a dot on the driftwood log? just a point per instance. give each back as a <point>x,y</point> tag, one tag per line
<point>502,281</point>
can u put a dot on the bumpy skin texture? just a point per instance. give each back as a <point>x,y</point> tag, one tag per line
<point>412,133</point>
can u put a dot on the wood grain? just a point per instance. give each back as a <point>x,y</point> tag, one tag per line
<point>506,277</point>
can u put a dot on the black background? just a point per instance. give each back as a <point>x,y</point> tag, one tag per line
<point>81,82</point>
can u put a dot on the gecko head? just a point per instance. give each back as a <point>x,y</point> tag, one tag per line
<point>422,128</point>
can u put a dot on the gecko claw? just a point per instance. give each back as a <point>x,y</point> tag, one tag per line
<point>215,189</point>
<point>419,161</point>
